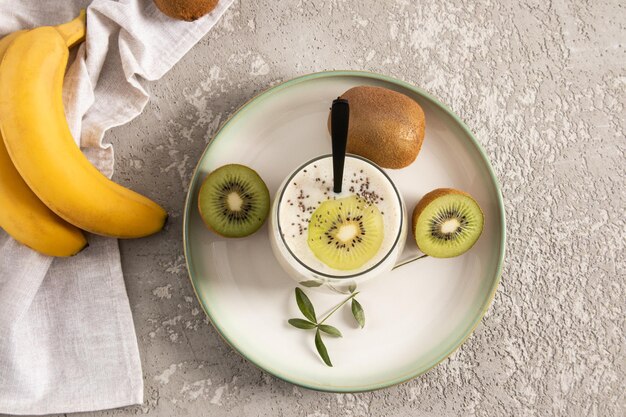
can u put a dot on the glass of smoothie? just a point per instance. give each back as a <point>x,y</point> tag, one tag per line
<point>337,241</point>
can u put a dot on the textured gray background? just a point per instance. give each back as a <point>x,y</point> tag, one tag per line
<point>542,84</point>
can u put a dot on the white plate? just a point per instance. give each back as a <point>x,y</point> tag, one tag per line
<point>416,316</point>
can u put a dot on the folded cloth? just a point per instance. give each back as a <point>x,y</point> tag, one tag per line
<point>67,340</point>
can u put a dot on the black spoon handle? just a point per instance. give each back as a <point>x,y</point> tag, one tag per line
<point>339,117</point>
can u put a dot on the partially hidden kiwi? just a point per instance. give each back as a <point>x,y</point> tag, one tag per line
<point>447,223</point>
<point>188,10</point>
<point>345,233</point>
<point>234,201</point>
<point>385,126</point>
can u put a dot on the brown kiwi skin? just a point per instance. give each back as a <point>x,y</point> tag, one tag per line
<point>385,126</point>
<point>188,10</point>
<point>428,198</point>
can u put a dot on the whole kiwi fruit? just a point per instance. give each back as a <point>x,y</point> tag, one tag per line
<point>188,10</point>
<point>385,126</point>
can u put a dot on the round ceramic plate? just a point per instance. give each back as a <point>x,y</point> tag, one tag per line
<point>416,316</point>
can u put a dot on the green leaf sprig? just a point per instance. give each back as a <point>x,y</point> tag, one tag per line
<point>311,322</point>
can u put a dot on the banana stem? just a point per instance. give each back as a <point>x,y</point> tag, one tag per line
<point>74,30</point>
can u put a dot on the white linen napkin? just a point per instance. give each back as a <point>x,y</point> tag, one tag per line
<point>67,340</point>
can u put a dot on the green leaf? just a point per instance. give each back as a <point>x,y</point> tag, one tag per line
<point>311,283</point>
<point>331,330</point>
<point>358,313</point>
<point>302,324</point>
<point>305,306</point>
<point>321,349</point>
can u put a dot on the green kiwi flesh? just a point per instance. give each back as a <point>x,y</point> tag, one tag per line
<point>234,201</point>
<point>447,223</point>
<point>345,233</point>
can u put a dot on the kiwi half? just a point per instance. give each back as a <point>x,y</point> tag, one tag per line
<point>447,223</point>
<point>234,201</point>
<point>345,233</point>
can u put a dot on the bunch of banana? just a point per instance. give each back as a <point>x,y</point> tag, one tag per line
<point>48,188</point>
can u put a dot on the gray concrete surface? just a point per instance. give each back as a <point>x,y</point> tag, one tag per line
<point>541,83</point>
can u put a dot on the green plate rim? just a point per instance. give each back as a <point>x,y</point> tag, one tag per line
<point>418,91</point>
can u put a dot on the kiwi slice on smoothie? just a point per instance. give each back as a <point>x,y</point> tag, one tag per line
<point>345,233</point>
<point>234,201</point>
<point>447,223</point>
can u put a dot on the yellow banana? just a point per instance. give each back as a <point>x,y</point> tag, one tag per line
<point>23,215</point>
<point>39,142</point>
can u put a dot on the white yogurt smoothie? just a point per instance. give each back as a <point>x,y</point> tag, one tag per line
<point>312,184</point>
